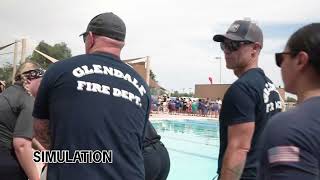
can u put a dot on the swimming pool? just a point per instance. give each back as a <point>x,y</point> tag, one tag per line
<point>193,147</point>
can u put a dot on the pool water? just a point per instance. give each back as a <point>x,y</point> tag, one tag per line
<point>193,147</point>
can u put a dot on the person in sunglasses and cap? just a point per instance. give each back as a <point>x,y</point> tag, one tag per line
<point>248,103</point>
<point>97,103</point>
<point>291,143</point>
<point>16,124</point>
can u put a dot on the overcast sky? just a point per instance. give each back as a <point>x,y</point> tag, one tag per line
<point>176,34</point>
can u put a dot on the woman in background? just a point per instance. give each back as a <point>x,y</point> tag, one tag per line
<point>16,124</point>
<point>291,143</point>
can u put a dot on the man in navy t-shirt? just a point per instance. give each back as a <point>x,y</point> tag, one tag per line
<point>247,104</point>
<point>94,103</point>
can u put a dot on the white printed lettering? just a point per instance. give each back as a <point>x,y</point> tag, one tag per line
<point>87,70</point>
<point>97,69</point>
<point>108,70</point>
<point>116,92</point>
<point>78,72</point>
<point>118,73</point>
<point>81,84</point>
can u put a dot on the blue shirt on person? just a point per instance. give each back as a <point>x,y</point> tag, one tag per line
<point>291,144</point>
<point>95,102</point>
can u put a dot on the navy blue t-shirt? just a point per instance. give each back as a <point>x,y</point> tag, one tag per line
<point>291,144</point>
<point>95,102</point>
<point>252,98</point>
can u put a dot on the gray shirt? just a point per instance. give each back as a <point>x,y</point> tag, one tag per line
<point>16,119</point>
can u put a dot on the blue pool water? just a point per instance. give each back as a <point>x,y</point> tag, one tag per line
<point>193,147</point>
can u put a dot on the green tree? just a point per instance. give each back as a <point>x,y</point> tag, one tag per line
<point>58,51</point>
<point>291,99</point>
<point>152,76</point>
<point>178,94</point>
<point>6,73</point>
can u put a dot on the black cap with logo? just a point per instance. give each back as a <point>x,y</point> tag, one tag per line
<point>242,30</point>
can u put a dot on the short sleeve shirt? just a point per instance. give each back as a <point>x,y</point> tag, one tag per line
<point>95,102</point>
<point>291,144</point>
<point>252,98</point>
<point>16,119</point>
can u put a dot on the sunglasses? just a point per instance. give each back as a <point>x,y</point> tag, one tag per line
<point>280,57</point>
<point>233,45</point>
<point>34,74</point>
<point>84,36</point>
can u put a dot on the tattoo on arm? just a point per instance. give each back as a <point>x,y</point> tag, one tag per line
<point>41,132</point>
<point>236,171</point>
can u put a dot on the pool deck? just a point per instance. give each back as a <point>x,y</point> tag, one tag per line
<point>167,116</point>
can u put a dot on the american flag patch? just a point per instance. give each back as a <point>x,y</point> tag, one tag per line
<point>284,154</point>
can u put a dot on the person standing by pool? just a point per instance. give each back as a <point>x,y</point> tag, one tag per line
<point>291,143</point>
<point>248,103</point>
<point>95,102</point>
<point>16,136</point>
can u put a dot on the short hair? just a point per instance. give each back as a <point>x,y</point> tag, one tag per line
<point>307,39</point>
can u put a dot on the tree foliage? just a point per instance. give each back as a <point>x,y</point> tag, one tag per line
<point>178,94</point>
<point>153,76</point>
<point>6,73</point>
<point>58,51</point>
<point>291,99</point>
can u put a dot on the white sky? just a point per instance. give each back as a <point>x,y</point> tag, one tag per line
<point>177,35</point>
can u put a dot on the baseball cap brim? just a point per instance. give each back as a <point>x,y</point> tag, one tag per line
<point>222,37</point>
<point>82,34</point>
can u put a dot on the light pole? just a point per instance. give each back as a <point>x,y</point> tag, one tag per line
<point>219,57</point>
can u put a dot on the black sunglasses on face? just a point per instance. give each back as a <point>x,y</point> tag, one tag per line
<point>84,36</point>
<point>279,57</point>
<point>233,45</point>
<point>34,74</point>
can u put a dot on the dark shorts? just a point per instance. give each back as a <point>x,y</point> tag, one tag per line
<point>10,167</point>
<point>156,162</point>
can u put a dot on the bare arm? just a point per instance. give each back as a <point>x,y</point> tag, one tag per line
<point>41,132</point>
<point>239,142</point>
<point>24,153</point>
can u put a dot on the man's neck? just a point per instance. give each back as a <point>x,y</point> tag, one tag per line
<point>240,71</point>
<point>251,64</point>
<point>109,50</point>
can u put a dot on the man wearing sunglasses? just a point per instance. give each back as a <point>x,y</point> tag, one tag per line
<point>248,103</point>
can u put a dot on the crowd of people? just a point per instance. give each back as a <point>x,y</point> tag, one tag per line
<point>187,106</point>
<point>97,102</point>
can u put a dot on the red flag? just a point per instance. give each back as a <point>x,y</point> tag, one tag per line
<point>210,79</point>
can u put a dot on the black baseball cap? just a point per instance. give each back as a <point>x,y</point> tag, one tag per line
<point>109,25</point>
<point>242,30</point>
